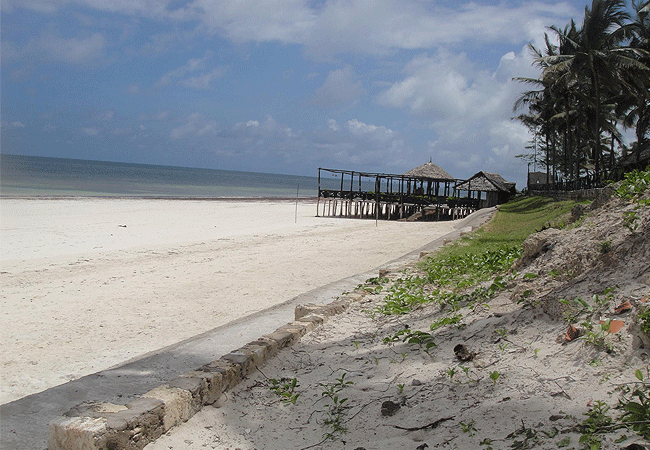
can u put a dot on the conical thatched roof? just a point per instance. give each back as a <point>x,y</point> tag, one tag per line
<point>429,170</point>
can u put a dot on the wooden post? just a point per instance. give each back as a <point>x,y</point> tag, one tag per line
<point>318,200</point>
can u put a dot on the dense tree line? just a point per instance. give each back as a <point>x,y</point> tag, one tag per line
<point>594,83</point>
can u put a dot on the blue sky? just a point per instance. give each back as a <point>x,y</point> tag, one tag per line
<point>281,86</point>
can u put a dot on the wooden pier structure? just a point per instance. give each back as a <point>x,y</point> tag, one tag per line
<point>424,193</point>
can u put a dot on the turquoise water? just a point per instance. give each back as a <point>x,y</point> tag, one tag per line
<point>39,176</point>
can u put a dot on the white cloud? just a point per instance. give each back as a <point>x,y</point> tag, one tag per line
<point>17,124</point>
<point>467,108</point>
<point>445,87</point>
<point>379,133</point>
<point>160,9</point>
<point>380,26</point>
<point>203,81</point>
<point>106,116</point>
<point>156,117</point>
<point>89,131</point>
<point>339,26</point>
<point>192,74</point>
<point>340,89</point>
<point>195,125</point>
<point>73,50</point>
<point>84,49</point>
<point>193,65</point>
<point>287,21</point>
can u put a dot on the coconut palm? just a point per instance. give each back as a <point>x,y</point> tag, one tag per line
<point>591,62</point>
<point>635,106</point>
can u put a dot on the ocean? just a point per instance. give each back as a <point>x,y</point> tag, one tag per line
<point>33,176</point>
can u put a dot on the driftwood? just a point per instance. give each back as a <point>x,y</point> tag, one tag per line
<point>424,427</point>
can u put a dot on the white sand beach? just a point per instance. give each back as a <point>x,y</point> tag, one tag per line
<point>88,282</point>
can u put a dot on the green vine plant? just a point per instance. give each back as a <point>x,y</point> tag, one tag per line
<point>372,285</point>
<point>337,407</point>
<point>643,318</point>
<point>598,338</point>
<point>635,403</point>
<point>460,271</point>
<point>285,389</point>
<point>632,188</point>
<point>601,419</point>
<point>421,338</point>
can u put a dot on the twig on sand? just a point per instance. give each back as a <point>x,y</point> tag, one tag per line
<point>431,425</point>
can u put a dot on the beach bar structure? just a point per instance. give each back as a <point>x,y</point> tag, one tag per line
<point>488,189</point>
<point>426,190</point>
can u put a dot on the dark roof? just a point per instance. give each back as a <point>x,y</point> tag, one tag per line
<point>429,170</point>
<point>630,159</point>
<point>486,182</point>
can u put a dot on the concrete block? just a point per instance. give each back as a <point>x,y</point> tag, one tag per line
<point>230,373</point>
<point>336,307</point>
<point>304,310</point>
<point>298,329</point>
<point>314,319</point>
<point>105,426</point>
<point>196,386</point>
<point>283,338</point>
<point>260,351</point>
<point>243,361</point>
<point>213,383</point>
<point>74,433</point>
<point>133,428</point>
<point>94,409</point>
<point>178,404</point>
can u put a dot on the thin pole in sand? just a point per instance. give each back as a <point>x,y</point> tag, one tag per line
<point>297,191</point>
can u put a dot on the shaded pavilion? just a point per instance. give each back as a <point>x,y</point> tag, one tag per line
<point>433,177</point>
<point>380,195</point>
<point>497,190</point>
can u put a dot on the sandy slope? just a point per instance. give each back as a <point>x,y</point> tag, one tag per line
<point>544,388</point>
<point>88,283</point>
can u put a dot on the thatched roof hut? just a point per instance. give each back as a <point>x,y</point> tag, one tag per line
<point>497,189</point>
<point>430,171</point>
<point>486,182</point>
<point>630,162</point>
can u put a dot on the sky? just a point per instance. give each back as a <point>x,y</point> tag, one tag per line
<point>276,86</point>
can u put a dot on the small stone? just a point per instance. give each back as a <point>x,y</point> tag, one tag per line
<point>389,408</point>
<point>623,307</point>
<point>572,333</point>
<point>416,382</point>
<point>634,447</point>
<point>463,354</point>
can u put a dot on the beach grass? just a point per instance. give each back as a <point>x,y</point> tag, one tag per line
<point>477,257</point>
<point>513,223</point>
<point>493,249</point>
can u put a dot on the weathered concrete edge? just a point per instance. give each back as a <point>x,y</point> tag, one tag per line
<point>105,426</point>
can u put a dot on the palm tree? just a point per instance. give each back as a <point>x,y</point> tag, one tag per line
<point>635,106</point>
<point>593,59</point>
<point>540,104</point>
<point>594,80</point>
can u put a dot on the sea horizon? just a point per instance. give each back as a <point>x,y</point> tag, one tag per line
<point>23,176</point>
